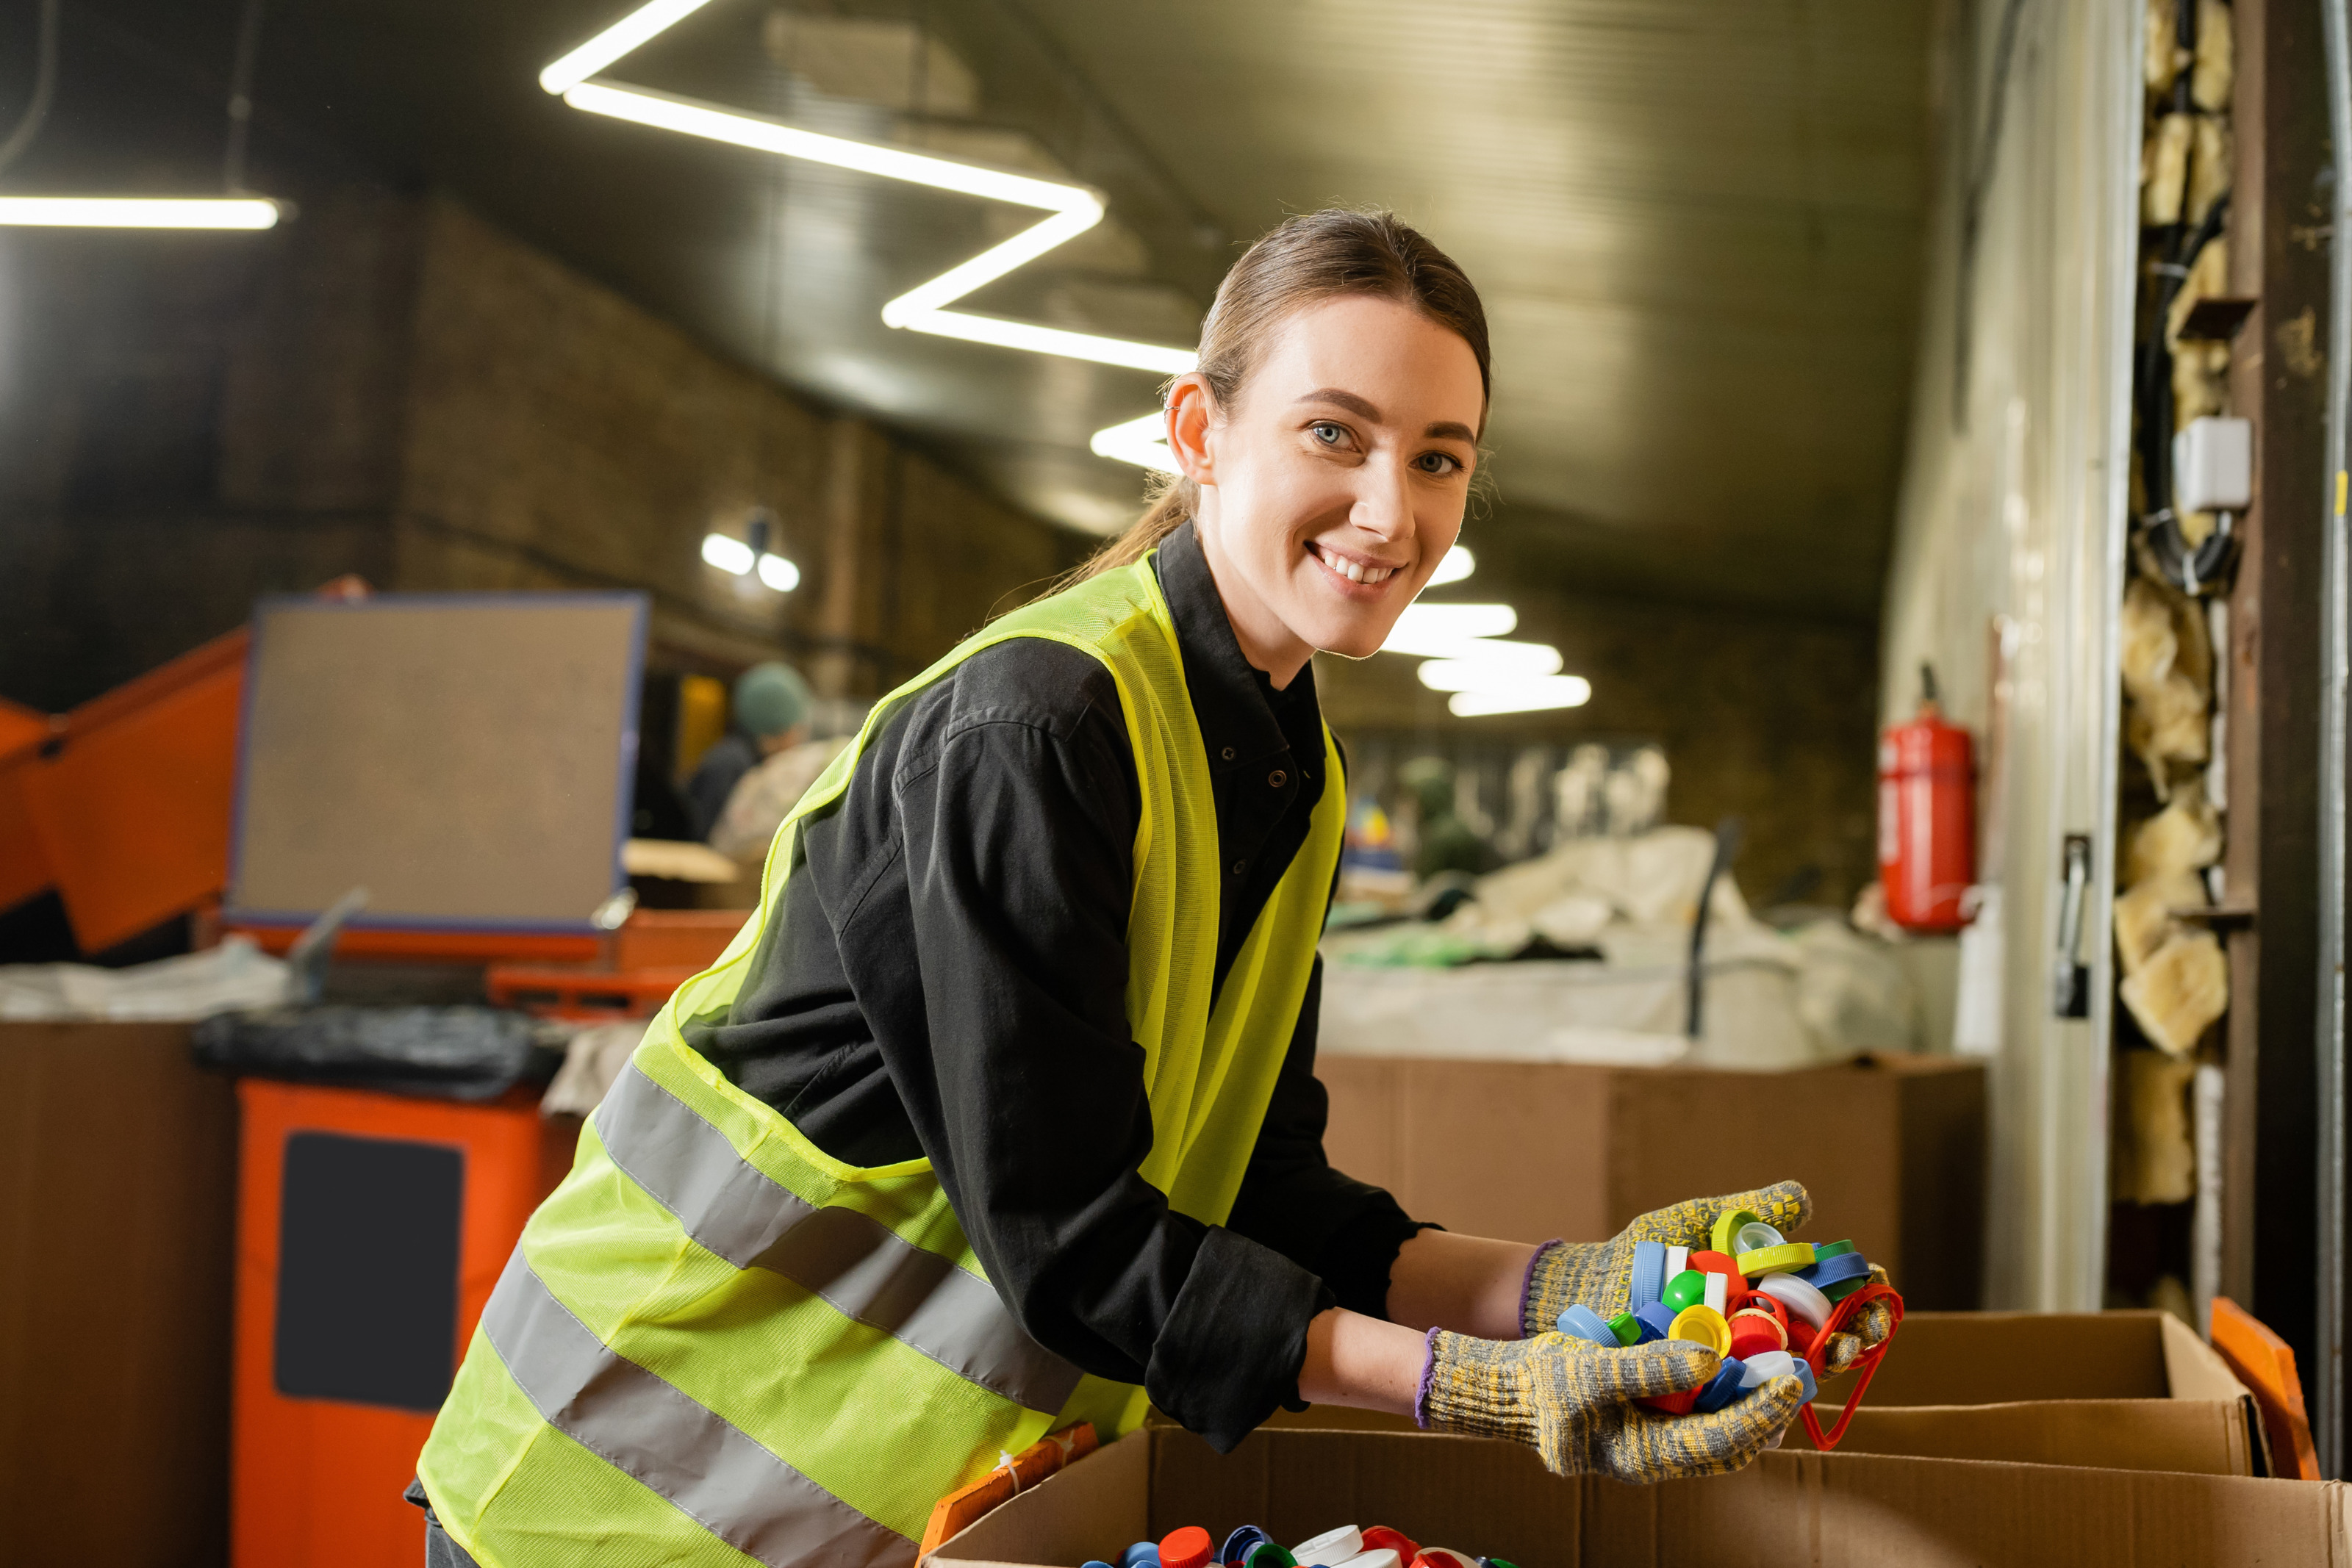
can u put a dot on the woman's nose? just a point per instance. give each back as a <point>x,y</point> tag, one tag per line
<point>1384,501</point>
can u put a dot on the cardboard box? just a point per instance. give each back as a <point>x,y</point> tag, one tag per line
<point>1891,1149</point>
<point>117,1160</point>
<point>2135,1391</point>
<point>1824,1510</point>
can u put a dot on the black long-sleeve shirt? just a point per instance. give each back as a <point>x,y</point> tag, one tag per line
<point>946,979</point>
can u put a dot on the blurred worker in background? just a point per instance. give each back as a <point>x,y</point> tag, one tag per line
<point>770,711</point>
<point>1001,1116</point>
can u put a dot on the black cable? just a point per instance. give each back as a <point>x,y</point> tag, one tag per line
<point>240,97</point>
<point>45,89</point>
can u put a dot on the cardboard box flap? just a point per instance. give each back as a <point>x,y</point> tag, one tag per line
<point>1828,1511</point>
<point>2192,1369</point>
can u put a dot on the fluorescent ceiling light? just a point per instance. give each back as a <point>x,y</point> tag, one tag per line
<point>1532,695</point>
<point>1142,442</point>
<point>779,573</point>
<point>1489,662</point>
<point>646,21</point>
<point>1439,630</point>
<point>139,211</point>
<point>727,554</point>
<point>1458,564</point>
<point>924,308</point>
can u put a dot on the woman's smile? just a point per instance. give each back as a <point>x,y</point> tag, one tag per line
<point>1362,579</point>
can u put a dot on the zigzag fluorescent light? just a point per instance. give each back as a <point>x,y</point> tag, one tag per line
<point>924,308</point>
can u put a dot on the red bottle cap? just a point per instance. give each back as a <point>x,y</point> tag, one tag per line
<point>1185,1548</point>
<point>1751,1335</point>
<point>1380,1536</point>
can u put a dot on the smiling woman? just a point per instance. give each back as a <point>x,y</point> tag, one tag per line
<point>1001,1118</point>
<point>1326,440</point>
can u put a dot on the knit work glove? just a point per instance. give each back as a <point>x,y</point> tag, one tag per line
<point>1600,1274</point>
<point>1566,1398</point>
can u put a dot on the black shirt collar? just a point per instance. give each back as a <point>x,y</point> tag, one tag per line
<point>1242,718</point>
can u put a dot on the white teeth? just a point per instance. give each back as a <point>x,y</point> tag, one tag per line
<point>1355,573</point>
<point>1352,571</point>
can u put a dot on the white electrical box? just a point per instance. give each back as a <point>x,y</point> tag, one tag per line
<point>2213,465</point>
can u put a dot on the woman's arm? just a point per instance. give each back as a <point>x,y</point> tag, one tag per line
<point>1466,1283</point>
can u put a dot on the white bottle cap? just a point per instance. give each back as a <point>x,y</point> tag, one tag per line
<point>1332,1548</point>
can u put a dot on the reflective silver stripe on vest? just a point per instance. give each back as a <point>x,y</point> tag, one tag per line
<point>855,1262</point>
<point>709,1469</point>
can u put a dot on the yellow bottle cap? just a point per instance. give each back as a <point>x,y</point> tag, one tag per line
<point>1726,1228</point>
<point>1778,1260</point>
<point>1702,1325</point>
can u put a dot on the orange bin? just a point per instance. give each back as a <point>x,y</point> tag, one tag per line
<point>371,1229</point>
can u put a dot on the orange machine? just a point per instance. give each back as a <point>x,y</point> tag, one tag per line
<point>371,1229</point>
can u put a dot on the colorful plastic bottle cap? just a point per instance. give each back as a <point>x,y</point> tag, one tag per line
<point>1241,1544</point>
<point>1497,1562</point>
<point>1381,1538</point>
<point>1655,1320</point>
<point>1765,1366</point>
<point>1805,1377</point>
<point>1722,1263</point>
<point>1840,1269</point>
<point>1718,1292</point>
<point>1722,1390</point>
<point>1727,1225</point>
<point>1649,1273</point>
<point>1839,1292</point>
<point>1778,1260</point>
<point>1702,1325</point>
<point>1139,1554</point>
<point>1187,1546</point>
<point>1802,1335</point>
<point>1754,1237</point>
<point>1688,1289</point>
<point>1383,1558</point>
<point>1678,1260</point>
<point>1333,1546</point>
<point>1096,1563</point>
<point>1444,1557</point>
<point>1587,1325</point>
<point>1758,1301</point>
<point>1752,1332</point>
<point>1832,1250</point>
<point>1627,1328</point>
<point>1671,1404</point>
<point>1269,1554</point>
<point>1802,1300</point>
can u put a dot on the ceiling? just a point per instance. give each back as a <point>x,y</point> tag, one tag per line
<point>1696,224</point>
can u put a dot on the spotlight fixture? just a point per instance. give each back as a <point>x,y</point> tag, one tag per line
<point>738,557</point>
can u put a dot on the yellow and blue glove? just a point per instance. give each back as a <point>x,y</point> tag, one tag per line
<point>1571,1401</point>
<point>1600,1274</point>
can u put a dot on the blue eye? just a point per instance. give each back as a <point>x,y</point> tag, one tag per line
<point>1328,433</point>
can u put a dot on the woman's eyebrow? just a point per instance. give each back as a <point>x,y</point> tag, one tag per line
<point>1451,430</point>
<point>1346,400</point>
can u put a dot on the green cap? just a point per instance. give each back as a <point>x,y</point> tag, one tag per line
<point>770,700</point>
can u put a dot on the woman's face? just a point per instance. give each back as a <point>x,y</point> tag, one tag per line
<point>1335,486</point>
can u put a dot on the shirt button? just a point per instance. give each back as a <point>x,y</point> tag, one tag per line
<point>1229,754</point>
<point>1240,866</point>
<point>1277,779</point>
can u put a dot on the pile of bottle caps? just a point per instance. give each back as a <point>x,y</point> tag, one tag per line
<point>1758,1300</point>
<point>1377,1546</point>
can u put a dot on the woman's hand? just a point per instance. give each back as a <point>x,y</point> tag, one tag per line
<point>1569,1400</point>
<point>1600,1274</point>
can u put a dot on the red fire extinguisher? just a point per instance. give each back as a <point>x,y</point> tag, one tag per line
<point>1927,816</point>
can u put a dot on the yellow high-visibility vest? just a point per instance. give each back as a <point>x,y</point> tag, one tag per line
<point>717,1343</point>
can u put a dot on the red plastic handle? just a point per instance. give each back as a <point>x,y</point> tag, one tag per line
<point>1866,1363</point>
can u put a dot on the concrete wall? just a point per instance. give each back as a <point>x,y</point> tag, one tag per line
<point>391,386</point>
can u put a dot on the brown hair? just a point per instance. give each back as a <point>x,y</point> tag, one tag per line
<point>1311,258</point>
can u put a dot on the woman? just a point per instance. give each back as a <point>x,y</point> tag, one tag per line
<point>1001,1116</point>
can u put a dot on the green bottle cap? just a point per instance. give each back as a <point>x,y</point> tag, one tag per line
<point>1626,1327</point>
<point>1832,1250</point>
<point>1686,1290</point>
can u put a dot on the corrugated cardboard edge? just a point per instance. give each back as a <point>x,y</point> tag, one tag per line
<point>2195,1370</point>
<point>1830,1510</point>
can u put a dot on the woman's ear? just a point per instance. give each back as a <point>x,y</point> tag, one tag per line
<point>1190,408</point>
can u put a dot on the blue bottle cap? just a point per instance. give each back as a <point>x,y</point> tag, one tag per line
<point>1655,1316</point>
<point>1723,1389</point>
<point>1237,1545</point>
<point>1805,1377</point>
<point>1835,1271</point>
<point>1097,1562</point>
<point>1587,1325</point>
<point>1649,1273</point>
<point>1139,1555</point>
